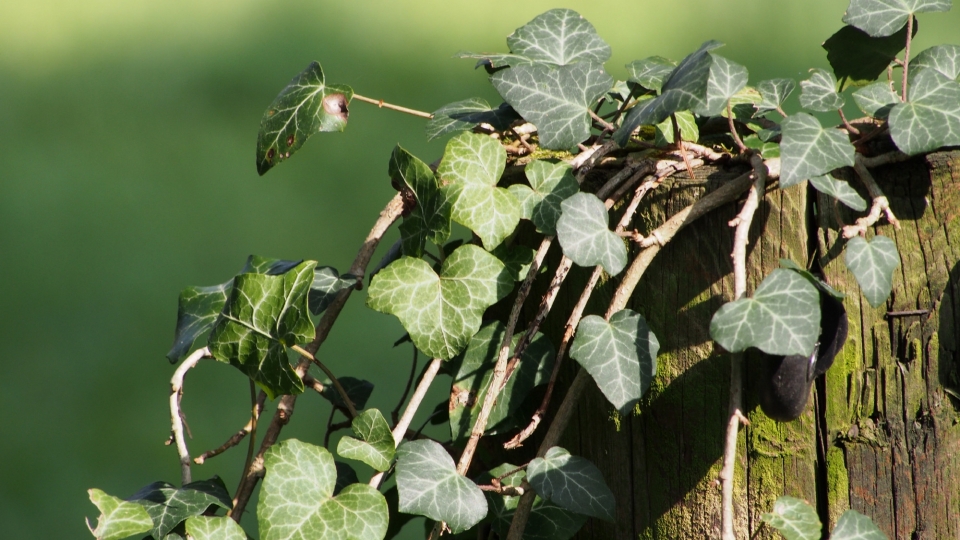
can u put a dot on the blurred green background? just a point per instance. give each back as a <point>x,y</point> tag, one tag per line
<point>127,134</point>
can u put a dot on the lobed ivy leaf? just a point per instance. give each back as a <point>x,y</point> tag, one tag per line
<point>884,17</point>
<point>429,485</point>
<point>853,525</point>
<point>375,445</point>
<point>197,310</point>
<point>547,520</point>
<point>817,282</point>
<point>327,283</point>
<point>794,518</point>
<point>767,149</point>
<point>782,317</point>
<point>214,528</point>
<point>876,99</point>
<point>688,129</point>
<point>118,518</point>
<point>858,59</point>
<point>550,184</point>
<point>573,483</point>
<point>931,118</point>
<point>727,78</point>
<point>807,149</point>
<point>943,58</point>
<point>561,37</point>
<point>297,502</point>
<point>306,106</point>
<point>585,237</point>
<point>872,264</point>
<point>516,259</point>
<point>430,218</point>
<point>168,506</point>
<point>774,92</point>
<point>264,265</point>
<point>441,312</point>
<point>650,72</point>
<point>840,190</point>
<point>470,169</point>
<point>467,114</point>
<point>743,104</point>
<point>358,390</point>
<point>819,92</point>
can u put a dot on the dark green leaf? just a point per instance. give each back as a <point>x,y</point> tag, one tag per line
<point>550,184</point>
<point>573,483</point>
<point>931,118</point>
<point>873,263</point>
<point>807,149</point>
<point>430,219</point>
<point>495,60</point>
<point>327,283</point>
<point>884,17</point>
<point>819,92</point>
<point>767,149</point>
<point>774,93</point>
<point>561,37</point>
<point>198,309</point>
<point>651,72</point>
<point>727,78</point>
<point>876,99</point>
<point>853,525</point>
<point>118,518</point>
<point>516,259</point>
<point>840,190</point>
<point>465,115</point>
<point>214,528</point>
<point>271,267</point>
<point>817,282</point>
<point>943,58</point>
<point>794,518</point>
<point>858,59</point>
<point>168,505</point>
<point>375,445</point>
<point>688,129</point>
<point>547,521</point>
<point>358,390</point>
<point>345,476</point>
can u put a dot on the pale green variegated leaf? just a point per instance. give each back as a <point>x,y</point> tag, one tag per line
<point>516,259</point>
<point>441,312</point>
<point>858,59</point>
<point>794,518</point>
<point>327,284</point>
<point>168,506</point>
<point>688,129</point>
<point>430,218</point>
<point>726,79</point>
<point>557,99</point>
<point>650,72</point>
<point>118,518</point>
<point>375,444</point>
<point>584,234</point>
<point>306,106</point>
<point>876,99</point>
<point>884,17</point>
<point>547,520</point>
<point>620,355</point>
<point>559,36</point>
<point>807,149</point>
<point>465,115</point>
<point>197,310</point>
<point>550,184</point>
<point>573,483</point>
<point>774,93</point>
<point>840,190</point>
<point>873,263</point>
<point>214,528</point>
<point>470,169</point>
<point>943,58</point>
<point>931,118</point>
<point>358,390</point>
<point>782,317</point>
<point>853,525</point>
<point>819,92</point>
<point>429,486</point>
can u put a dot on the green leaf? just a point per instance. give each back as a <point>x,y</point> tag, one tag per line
<point>853,525</point>
<point>470,169</point>
<point>876,99</point>
<point>547,520</point>
<point>650,72</point>
<point>197,311</point>
<point>884,17</point>
<point>214,528</point>
<point>306,106</point>
<point>472,380</point>
<point>688,129</point>
<point>767,149</point>
<point>774,93</point>
<point>358,390</point>
<point>550,184</point>
<point>430,218</point>
<point>264,265</point>
<point>873,263</point>
<point>817,282</point>
<point>467,114</point>
<point>559,36</point>
<point>263,315</point>
<point>516,259</point>
<point>118,518</point>
<point>168,506</point>
<point>840,190</point>
<point>931,118</point>
<point>585,237</point>
<point>819,92</point>
<point>727,78</point>
<point>744,104</point>
<point>375,444</point>
<point>794,518</point>
<point>807,149</point>
<point>296,499</point>
<point>429,486</point>
<point>327,283</point>
<point>441,312</point>
<point>943,58</point>
<point>557,99</point>
<point>573,483</point>
<point>620,355</point>
<point>858,59</point>
<point>345,476</point>
<point>782,318</point>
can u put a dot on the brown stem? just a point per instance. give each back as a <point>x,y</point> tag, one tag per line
<point>846,124</point>
<point>880,205</point>
<point>333,378</point>
<point>678,138</point>
<point>384,105</point>
<point>236,438</point>
<point>733,129</point>
<point>906,57</point>
<point>607,126</point>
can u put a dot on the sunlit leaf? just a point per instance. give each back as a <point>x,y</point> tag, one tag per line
<point>819,92</point>
<point>327,283</point>
<point>214,528</point>
<point>853,525</point>
<point>118,518</point>
<point>743,104</point>
<point>550,184</point>
<point>884,17</point>
<point>794,518</point>
<point>559,36</point>
<point>726,79</point>
<point>774,93</point>
<point>168,505</point>
<point>858,59</point>
<point>198,309</point>
<point>807,149</point>
<point>688,129</point>
<point>943,58</point>
<point>547,520</point>
<point>817,282</point>
<point>873,263</point>
<point>465,115</point>
<point>374,445</point>
<point>840,190</point>
<point>430,218</point>
<point>584,234</point>
<point>876,99</point>
<point>931,118</point>
<point>494,60</point>
<point>767,149</point>
<point>651,72</point>
<point>573,483</point>
<point>358,390</point>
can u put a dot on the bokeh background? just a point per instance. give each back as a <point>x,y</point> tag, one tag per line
<point>127,137</point>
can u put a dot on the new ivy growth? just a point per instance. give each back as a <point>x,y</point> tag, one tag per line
<point>562,113</point>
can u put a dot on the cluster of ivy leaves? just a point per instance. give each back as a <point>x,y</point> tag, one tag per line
<point>553,77</point>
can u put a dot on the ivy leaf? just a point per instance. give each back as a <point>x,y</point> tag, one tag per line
<point>743,104</point>
<point>573,483</point>
<point>547,520</point>
<point>441,312</point>
<point>774,92</point>
<point>214,528</point>
<point>557,99</point>
<point>840,190</point>
<point>168,506</point>
<point>794,518</point>
<point>782,318</point>
<point>620,355</point>
<point>853,525</point>
<point>767,149</point>
<point>516,259</point>
<point>429,485</point>
<point>876,99</point>
<point>884,17</point>
<point>307,105</point>
<point>858,59</point>
<point>650,72</point>
<point>873,263</point>
<point>550,184</point>
<point>807,149</point>
<point>561,37</point>
<point>345,476</point>
<point>327,283</point>
<point>819,92</point>
<point>931,118</point>
<point>470,169</point>
<point>197,310</point>
<point>296,498</point>
<point>118,518</point>
<point>585,237</point>
<point>688,129</point>
<point>264,265</point>
<point>358,390</point>
<point>465,115</point>
<point>430,218</point>
<point>943,58</point>
<point>817,282</point>
<point>726,79</point>
<point>375,444</point>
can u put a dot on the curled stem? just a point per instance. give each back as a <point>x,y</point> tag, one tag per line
<point>176,415</point>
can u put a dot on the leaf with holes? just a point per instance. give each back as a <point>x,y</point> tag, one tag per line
<point>430,218</point>
<point>931,118</point>
<point>550,184</point>
<point>688,129</point>
<point>585,237</point>
<point>620,355</point>
<point>429,486</point>
<point>650,72</point>
<point>465,115</point>
<point>358,390</point>
<point>858,59</point>
<point>547,520</point>
<point>807,149</point>
<point>214,528</point>
<point>840,190</point>
<point>561,37</point>
<point>774,92</point>
<point>306,106</point>
<point>168,506</point>
<point>374,445</point>
<point>876,99</point>
<point>884,17</point>
<point>782,317</point>
<point>573,483</point>
<point>943,58</point>
<point>819,92</point>
<point>727,78</point>
<point>118,518</point>
<point>794,518</point>
<point>296,500</point>
<point>853,525</point>
<point>873,263</point>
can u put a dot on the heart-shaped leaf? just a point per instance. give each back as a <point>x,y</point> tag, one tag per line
<point>774,92</point>
<point>840,190</point>
<point>118,518</point>
<point>794,518</point>
<point>465,115</point>
<point>441,312</point>
<point>876,99</point>
<point>782,318</point>
<point>375,444</point>
<point>296,499</point>
<point>559,36</point>
<point>853,525</point>
<point>214,528</point>
<point>819,92</point>
<point>688,129</point>
<point>943,58</point>
<point>931,118</point>
<point>429,486</point>
<point>807,149</point>
<point>573,483</point>
<point>726,79</point>
<point>358,390</point>
<point>584,234</point>
<point>547,520</point>
<point>470,169</point>
<point>651,72</point>
<point>550,184</point>
<point>430,218</point>
<point>858,59</point>
<point>884,17</point>
<point>307,105</point>
<point>873,263</point>
<point>168,505</point>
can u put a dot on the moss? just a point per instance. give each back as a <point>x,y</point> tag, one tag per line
<point>615,417</point>
<point>838,486</point>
